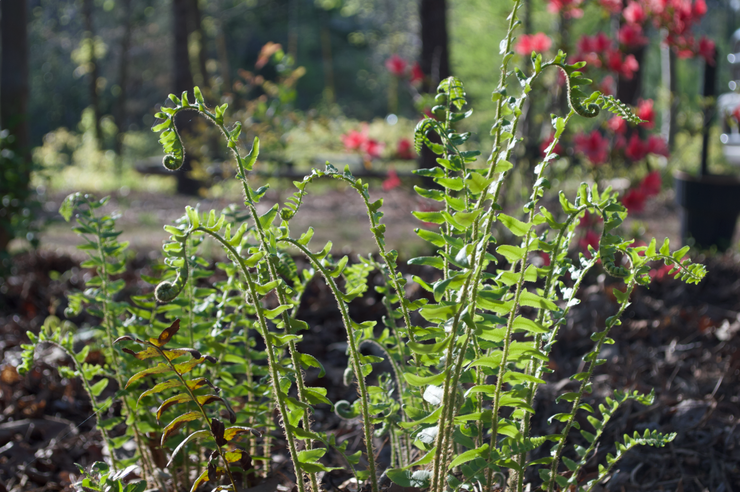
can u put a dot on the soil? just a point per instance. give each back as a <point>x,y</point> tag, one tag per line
<point>681,340</point>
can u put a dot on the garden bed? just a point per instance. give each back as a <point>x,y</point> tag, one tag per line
<point>682,340</point>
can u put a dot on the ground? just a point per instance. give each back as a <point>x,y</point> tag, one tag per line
<point>681,340</point>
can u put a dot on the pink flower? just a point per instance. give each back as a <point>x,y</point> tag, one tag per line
<point>416,74</point>
<point>630,35</point>
<point>405,149</point>
<point>569,8</point>
<point>527,43</point>
<point>646,112</point>
<point>612,6</point>
<point>593,146</point>
<point>636,149</point>
<point>396,65</point>
<point>634,13</point>
<point>625,67</point>
<point>392,181</point>
<point>650,184</point>
<point>656,145</point>
<point>634,200</point>
<point>617,125</point>
<point>558,149</point>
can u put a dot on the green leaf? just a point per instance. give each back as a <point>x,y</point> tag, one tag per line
<point>433,261</point>
<point>196,434</point>
<point>511,253</point>
<point>469,455</point>
<point>429,419</point>
<point>68,206</point>
<point>517,227</point>
<point>523,324</point>
<point>415,380</point>
<point>98,387</point>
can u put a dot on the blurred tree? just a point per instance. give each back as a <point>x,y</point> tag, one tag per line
<point>87,12</point>
<point>435,53</point>
<point>435,57</point>
<point>182,82</point>
<point>15,165</point>
<point>123,63</point>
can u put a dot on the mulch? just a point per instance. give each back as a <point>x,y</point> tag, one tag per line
<point>681,340</point>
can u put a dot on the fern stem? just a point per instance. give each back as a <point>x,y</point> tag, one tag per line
<point>355,356</point>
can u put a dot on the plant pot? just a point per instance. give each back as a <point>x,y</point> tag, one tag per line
<point>709,209</point>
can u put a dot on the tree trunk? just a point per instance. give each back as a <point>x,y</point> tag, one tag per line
<point>14,183</point>
<point>196,30</point>
<point>120,112</point>
<point>435,56</point>
<point>629,90</point>
<point>183,81</point>
<point>87,12</point>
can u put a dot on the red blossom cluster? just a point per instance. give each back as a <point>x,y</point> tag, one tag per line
<point>392,181</point>
<point>596,147</point>
<point>360,141</point>
<point>677,17</point>
<point>634,199</point>
<point>593,146</point>
<point>527,43</point>
<point>600,51</point>
<point>398,67</point>
<point>405,150</point>
<point>569,8</point>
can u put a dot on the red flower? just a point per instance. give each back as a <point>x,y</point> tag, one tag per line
<point>634,200</point>
<point>545,258</point>
<point>594,147</point>
<point>354,139</point>
<point>646,112</point>
<point>558,149</point>
<point>416,74</point>
<point>650,184</point>
<point>597,44</point>
<point>569,8</point>
<point>706,49</point>
<point>608,86</point>
<point>589,239</point>
<point>612,6</point>
<point>631,36</point>
<point>636,149</point>
<point>405,149</point>
<point>527,43</point>
<point>634,13</point>
<point>736,113</point>
<point>392,181</point>
<point>699,8</point>
<point>589,220</point>
<point>372,148</point>
<point>617,125</point>
<point>396,65</point>
<point>656,145</point>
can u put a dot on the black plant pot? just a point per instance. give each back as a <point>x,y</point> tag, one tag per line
<point>709,209</point>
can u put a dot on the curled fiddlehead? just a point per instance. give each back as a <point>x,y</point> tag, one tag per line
<point>167,291</point>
